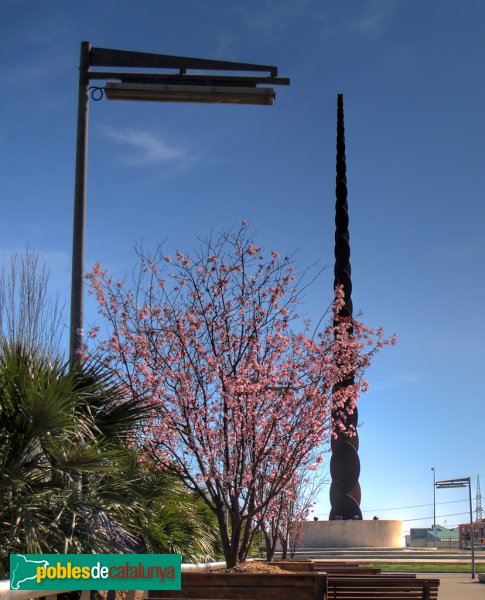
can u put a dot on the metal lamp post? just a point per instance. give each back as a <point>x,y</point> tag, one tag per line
<point>459,483</point>
<point>434,506</point>
<point>159,86</point>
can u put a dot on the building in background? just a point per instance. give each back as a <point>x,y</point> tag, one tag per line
<point>479,534</point>
<point>422,537</point>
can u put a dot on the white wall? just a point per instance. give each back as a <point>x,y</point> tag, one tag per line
<point>351,534</point>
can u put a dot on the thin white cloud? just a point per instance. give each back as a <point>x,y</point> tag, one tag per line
<point>144,149</point>
<point>275,16</point>
<point>398,381</point>
<point>374,20</point>
<point>369,18</point>
<point>40,50</point>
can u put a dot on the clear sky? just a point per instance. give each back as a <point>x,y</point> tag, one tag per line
<point>412,75</point>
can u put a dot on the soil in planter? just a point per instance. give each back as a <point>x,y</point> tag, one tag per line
<point>254,567</point>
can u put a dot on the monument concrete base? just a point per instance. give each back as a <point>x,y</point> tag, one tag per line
<point>351,534</point>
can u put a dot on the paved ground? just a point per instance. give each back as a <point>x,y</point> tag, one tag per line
<point>458,586</point>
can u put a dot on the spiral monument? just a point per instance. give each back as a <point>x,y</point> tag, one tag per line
<point>344,463</point>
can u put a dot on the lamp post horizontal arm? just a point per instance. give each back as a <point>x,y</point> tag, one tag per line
<point>451,483</point>
<point>105,57</point>
<point>188,79</point>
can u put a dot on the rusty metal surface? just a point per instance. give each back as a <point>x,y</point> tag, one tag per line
<point>345,494</point>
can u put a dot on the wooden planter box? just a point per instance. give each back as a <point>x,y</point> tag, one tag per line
<point>247,586</point>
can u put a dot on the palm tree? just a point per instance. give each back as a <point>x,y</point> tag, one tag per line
<point>71,478</point>
<point>63,448</point>
<point>174,520</point>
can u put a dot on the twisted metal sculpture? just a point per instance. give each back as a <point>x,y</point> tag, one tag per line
<point>344,464</point>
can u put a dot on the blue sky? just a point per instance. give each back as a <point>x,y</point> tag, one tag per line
<point>412,78</point>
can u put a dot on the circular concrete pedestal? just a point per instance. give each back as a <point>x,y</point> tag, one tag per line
<point>352,534</point>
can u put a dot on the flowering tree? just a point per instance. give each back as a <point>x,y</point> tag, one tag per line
<point>283,522</point>
<point>240,398</point>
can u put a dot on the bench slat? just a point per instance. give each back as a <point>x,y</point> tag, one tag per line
<point>382,588</point>
<point>377,576</point>
<point>359,593</point>
<point>379,594</point>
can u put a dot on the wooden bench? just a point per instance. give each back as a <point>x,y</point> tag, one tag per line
<point>382,588</point>
<point>247,586</point>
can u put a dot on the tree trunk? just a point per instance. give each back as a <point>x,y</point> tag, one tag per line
<point>284,554</point>
<point>230,530</point>
<point>267,544</point>
<point>229,556</point>
<point>270,551</point>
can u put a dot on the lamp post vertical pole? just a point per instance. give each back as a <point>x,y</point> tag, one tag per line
<point>434,506</point>
<point>472,536</point>
<point>77,302</point>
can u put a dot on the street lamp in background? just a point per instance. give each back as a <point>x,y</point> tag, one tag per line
<point>434,506</point>
<point>170,79</point>
<point>459,483</point>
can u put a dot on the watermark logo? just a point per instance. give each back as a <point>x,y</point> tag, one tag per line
<point>95,571</point>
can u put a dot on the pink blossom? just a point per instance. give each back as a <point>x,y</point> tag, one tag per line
<point>242,399</point>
